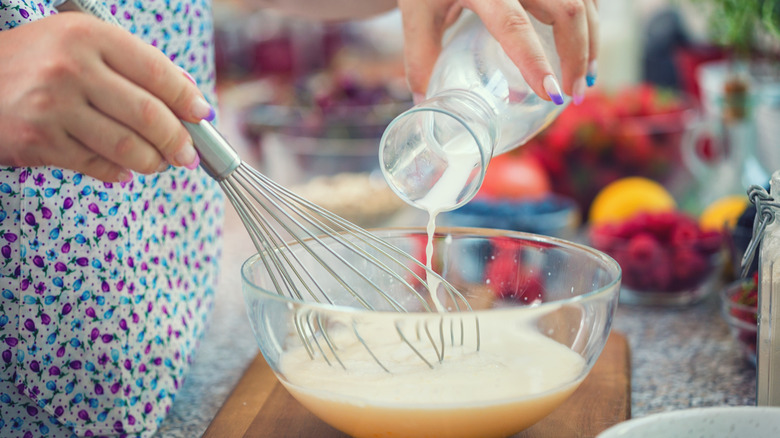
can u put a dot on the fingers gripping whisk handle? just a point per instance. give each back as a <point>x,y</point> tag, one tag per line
<point>217,157</point>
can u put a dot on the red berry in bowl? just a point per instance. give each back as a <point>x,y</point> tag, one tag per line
<point>660,251</point>
<point>746,298</point>
<point>684,233</point>
<point>644,248</point>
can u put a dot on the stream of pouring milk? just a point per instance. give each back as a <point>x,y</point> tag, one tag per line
<point>462,156</point>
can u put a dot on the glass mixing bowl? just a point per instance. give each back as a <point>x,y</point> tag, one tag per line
<point>542,312</point>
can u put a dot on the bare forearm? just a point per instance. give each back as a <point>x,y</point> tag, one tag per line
<point>326,9</point>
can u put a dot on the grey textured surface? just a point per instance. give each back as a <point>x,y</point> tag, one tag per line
<point>684,358</point>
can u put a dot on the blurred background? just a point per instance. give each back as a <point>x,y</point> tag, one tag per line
<point>682,120</point>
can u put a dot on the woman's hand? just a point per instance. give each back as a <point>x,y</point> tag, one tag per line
<point>85,95</point>
<point>574,23</point>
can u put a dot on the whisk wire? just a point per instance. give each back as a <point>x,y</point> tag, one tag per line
<point>329,342</point>
<point>312,337</point>
<point>282,247</point>
<point>415,349</point>
<point>368,349</point>
<point>269,240</point>
<point>300,330</point>
<point>272,242</point>
<point>270,195</point>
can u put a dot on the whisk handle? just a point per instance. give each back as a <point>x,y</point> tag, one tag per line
<point>217,157</point>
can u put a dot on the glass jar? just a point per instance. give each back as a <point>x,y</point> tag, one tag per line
<point>477,106</point>
<point>766,241</point>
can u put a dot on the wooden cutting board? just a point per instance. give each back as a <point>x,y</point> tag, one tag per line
<point>260,407</point>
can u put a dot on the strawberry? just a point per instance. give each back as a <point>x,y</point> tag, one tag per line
<point>419,242</point>
<point>529,288</point>
<point>746,298</point>
<point>743,305</point>
<point>508,277</point>
<point>501,270</point>
<point>634,149</point>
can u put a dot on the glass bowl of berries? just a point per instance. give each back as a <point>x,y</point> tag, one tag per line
<point>739,301</point>
<point>666,258</point>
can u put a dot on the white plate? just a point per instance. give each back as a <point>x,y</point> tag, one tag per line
<point>715,422</point>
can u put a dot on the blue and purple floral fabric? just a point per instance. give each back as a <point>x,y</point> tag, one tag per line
<point>105,289</point>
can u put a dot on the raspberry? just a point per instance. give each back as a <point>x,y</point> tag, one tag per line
<point>604,238</point>
<point>663,224</point>
<point>688,267</point>
<point>629,228</point>
<point>684,233</point>
<point>661,273</point>
<point>710,242</point>
<point>637,278</point>
<point>659,251</point>
<point>644,249</point>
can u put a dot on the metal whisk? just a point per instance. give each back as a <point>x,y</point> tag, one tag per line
<point>337,262</point>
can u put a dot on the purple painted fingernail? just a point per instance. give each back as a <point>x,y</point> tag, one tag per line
<point>202,110</point>
<point>553,89</point>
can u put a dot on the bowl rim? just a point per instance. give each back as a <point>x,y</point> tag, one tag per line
<point>609,263</point>
<point>625,428</point>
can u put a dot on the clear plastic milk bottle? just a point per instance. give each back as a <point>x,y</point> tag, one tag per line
<point>477,105</point>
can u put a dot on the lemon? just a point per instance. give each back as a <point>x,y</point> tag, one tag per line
<point>723,213</point>
<point>626,197</point>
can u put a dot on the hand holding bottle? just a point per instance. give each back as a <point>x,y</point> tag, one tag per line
<point>574,23</point>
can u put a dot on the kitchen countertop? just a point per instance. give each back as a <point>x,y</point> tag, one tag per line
<point>680,358</point>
